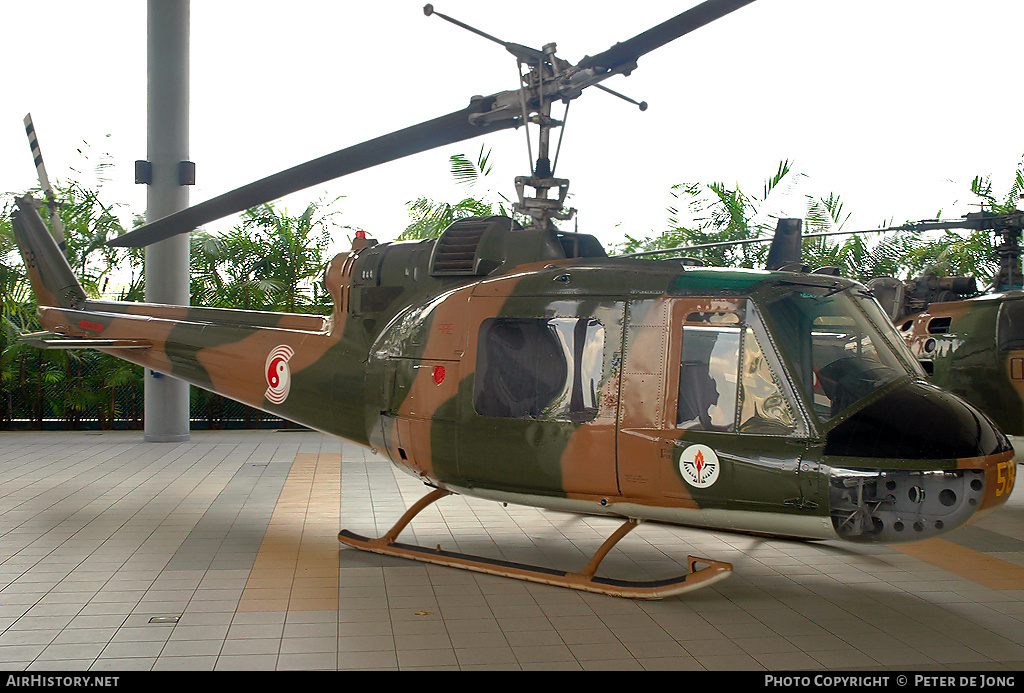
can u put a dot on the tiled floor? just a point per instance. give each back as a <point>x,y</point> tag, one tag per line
<point>221,554</point>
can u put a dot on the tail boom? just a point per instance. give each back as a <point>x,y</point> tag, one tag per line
<point>295,366</point>
<point>282,369</point>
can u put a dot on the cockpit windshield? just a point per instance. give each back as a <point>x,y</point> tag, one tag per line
<point>839,344</point>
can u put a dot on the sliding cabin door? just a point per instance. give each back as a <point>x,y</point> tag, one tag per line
<point>539,413</point>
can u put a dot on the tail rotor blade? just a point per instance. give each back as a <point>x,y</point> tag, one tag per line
<point>44,184</point>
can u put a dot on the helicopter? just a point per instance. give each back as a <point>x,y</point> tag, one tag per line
<point>968,341</point>
<point>522,364</point>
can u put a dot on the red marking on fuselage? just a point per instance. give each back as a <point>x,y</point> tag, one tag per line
<point>273,371</point>
<point>278,374</point>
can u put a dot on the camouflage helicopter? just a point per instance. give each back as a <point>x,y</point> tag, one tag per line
<point>969,342</point>
<point>522,364</point>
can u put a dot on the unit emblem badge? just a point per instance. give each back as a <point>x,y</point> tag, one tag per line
<point>279,375</point>
<point>699,466</point>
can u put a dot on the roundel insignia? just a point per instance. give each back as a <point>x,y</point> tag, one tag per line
<point>278,374</point>
<point>699,466</point>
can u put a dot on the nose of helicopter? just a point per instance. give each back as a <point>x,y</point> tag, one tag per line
<point>913,464</point>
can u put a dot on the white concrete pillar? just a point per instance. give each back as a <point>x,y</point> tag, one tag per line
<point>167,265</point>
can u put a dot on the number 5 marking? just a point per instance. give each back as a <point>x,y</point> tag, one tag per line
<point>1006,473</point>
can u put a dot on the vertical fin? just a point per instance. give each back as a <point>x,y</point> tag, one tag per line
<point>48,270</point>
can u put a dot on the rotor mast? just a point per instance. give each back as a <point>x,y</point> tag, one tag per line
<point>549,78</point>
<point>541,208</point>
<point>531,104</point>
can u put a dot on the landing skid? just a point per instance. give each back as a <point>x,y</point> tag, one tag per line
<point>585,580</point>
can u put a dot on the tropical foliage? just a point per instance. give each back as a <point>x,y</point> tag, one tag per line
<point>430,218</point>
<point>269,261</point>
<point>706,213</point>
<point>57,384</point>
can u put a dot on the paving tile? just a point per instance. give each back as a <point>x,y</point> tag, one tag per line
<point>234,534</point>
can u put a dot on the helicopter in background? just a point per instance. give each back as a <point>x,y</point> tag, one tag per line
<point>522,364</point>
<point>968,341</point>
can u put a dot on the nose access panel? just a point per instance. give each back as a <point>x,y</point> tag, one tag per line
<point>875,506</point>
<point>916,421</point>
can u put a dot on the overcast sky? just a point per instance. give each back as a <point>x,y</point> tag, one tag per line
<point>895,105</point>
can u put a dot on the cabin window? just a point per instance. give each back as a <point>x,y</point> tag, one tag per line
<point>707,377</point>
<point>539,368</point>
<point>763,408</point>
<point>725,382</point>
<point>1011,326</point>
<point>839,347</point>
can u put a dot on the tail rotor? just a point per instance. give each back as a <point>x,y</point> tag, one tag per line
<point>53,208</point>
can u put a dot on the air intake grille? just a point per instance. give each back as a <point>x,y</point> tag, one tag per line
<point>456,248</point>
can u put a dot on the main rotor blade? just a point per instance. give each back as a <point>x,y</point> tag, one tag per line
<point>623,55</point>
<point>454,127</point>
<point>744,241</point>
<point>449,129</point>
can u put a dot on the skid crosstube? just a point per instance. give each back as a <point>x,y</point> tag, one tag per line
<point>585,580</point>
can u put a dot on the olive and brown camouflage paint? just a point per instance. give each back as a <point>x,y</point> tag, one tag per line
<point>394,368</point>
<point>975,348</point>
